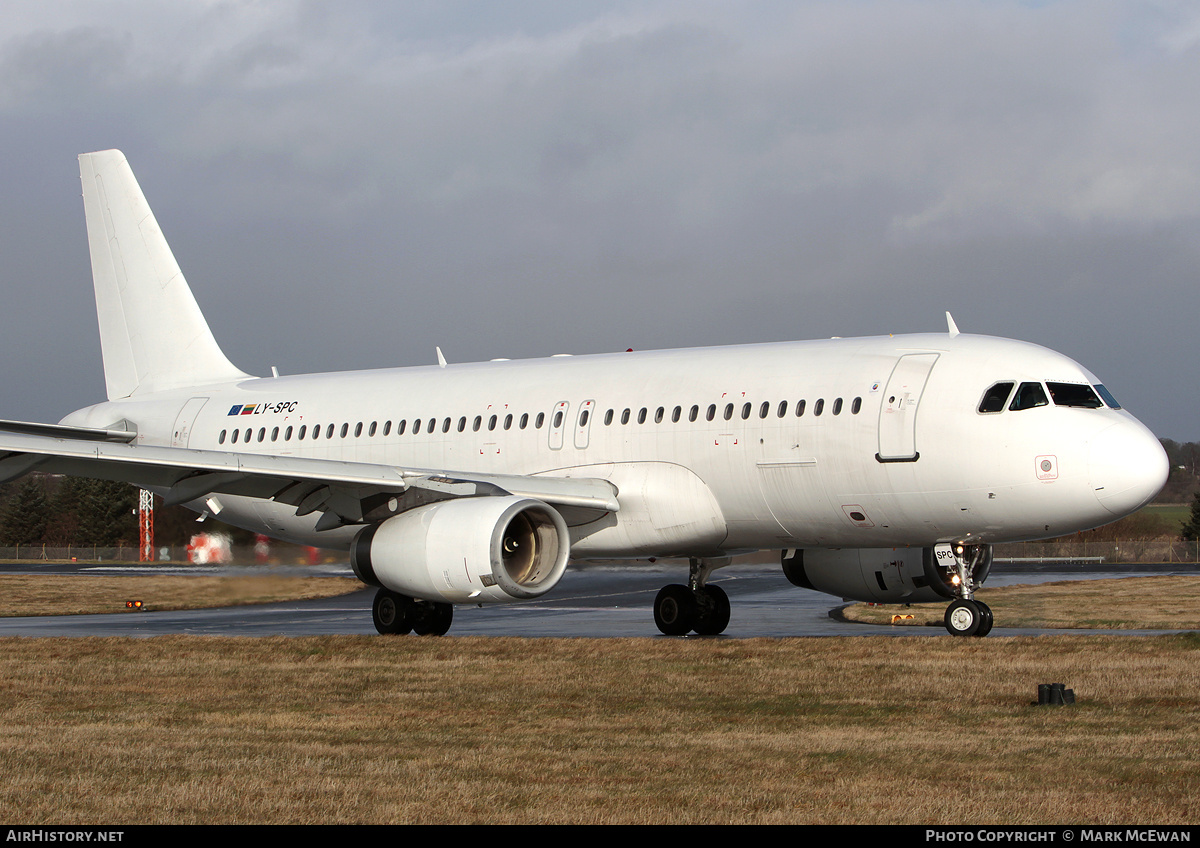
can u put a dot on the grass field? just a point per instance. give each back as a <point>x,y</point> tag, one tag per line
<point>505,730</point>
<point>1127,603</point>
<point>80,594</point>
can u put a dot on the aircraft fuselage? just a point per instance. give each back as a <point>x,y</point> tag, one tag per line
<point>864,442</point>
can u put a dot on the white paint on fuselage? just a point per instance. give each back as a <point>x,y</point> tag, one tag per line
<point>705,487</point>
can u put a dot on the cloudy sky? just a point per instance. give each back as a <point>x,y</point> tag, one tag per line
<point>348,185</point>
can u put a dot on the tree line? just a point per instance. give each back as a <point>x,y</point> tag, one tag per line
<point>59,511</point>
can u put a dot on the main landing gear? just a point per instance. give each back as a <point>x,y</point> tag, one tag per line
<point>967,616</point>
<point>679,609</point>
<point>400,614</point>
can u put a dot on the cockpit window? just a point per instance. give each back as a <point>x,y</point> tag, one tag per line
<point>1028,396</point>
<point>993,400</point>
<point>1074,394</point>
<point>1108,398</point>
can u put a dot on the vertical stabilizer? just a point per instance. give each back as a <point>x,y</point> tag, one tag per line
<point>152,334</point>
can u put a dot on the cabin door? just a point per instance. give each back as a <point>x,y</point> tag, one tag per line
<point>898,412</point>
<point>182,430</point>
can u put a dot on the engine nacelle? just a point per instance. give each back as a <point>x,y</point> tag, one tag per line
<point>881,575</point>
<point>468,550</point>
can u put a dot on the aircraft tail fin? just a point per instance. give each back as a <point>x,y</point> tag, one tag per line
<point>152,334</point>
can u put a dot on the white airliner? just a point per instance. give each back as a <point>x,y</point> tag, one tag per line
<point>883,468</point>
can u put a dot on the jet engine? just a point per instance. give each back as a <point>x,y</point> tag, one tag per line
<point>468,550</point>
<point>881,575</point>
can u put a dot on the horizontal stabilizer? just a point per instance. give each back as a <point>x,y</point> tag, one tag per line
<point>122,431</point>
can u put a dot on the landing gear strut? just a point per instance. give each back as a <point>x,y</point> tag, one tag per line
<point>967,616</point>
<point>398,614</point>
<point>680,609</point>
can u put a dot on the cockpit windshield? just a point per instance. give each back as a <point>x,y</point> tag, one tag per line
<point>1108,398</point>
<point>994,398</point>
<point>1028,396</point>
<point>1074,394</point>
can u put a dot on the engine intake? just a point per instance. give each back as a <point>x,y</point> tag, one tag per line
<point>469,550</point>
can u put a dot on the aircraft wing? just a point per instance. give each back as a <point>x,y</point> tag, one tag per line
<point>345,492</point>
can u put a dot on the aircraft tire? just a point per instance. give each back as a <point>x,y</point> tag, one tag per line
<point>985,624</point>
<point>433,619</point>
<point>675,610</point>
<point>963,618</point>
<point>392,613</point>
<point>713,613</point>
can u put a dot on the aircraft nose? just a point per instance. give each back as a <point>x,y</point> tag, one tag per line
<point>1128,467</point>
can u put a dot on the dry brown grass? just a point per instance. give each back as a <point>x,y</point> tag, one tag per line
<point>406,729</point>
<point>47,594</point>
<point>1127,603</point>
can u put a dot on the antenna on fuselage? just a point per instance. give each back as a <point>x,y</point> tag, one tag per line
<point>441,359</point>
<point>950,323</point>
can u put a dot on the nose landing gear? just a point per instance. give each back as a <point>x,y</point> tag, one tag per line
<point>967,616</point>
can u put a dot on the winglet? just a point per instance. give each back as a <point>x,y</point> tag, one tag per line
<point>950,323</point>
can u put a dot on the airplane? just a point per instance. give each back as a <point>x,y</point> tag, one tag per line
<point>882,468</point>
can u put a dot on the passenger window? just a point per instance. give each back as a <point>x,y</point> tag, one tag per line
<point>401,426</point>
<point>694,413</point>
<point>746,410</point>
<point>525,419</point>
<point>476,423</point>
<point>676,414</point>
<point>608,417</point>
<point>387,427</point>
<point>856,406</point>
<point>583,418</point>
<point>1074,394</point>
<point>642,415</point>
<point>712,412</point>
<point>221,438</point>
<point>658,415</point>
<point>995,398</point>
<point>625,417</point>
<point>262,433</point>
<point>799,408</point>
<point>303,432</point>
<point>541,419</point>
<point>275,434</point>
<point>557,419</point>
<point>1028,396</point>
<point>819,406</point>
<point>358,430</point>
<point>446,425</point>
<point>728,411</point>
<point>782,409</point>
<point>462,423</point>
<point>492,423</point>
<point>345,430</point>
<point>374,425</point>
<point>508,421</point>
<point>837,406</point>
